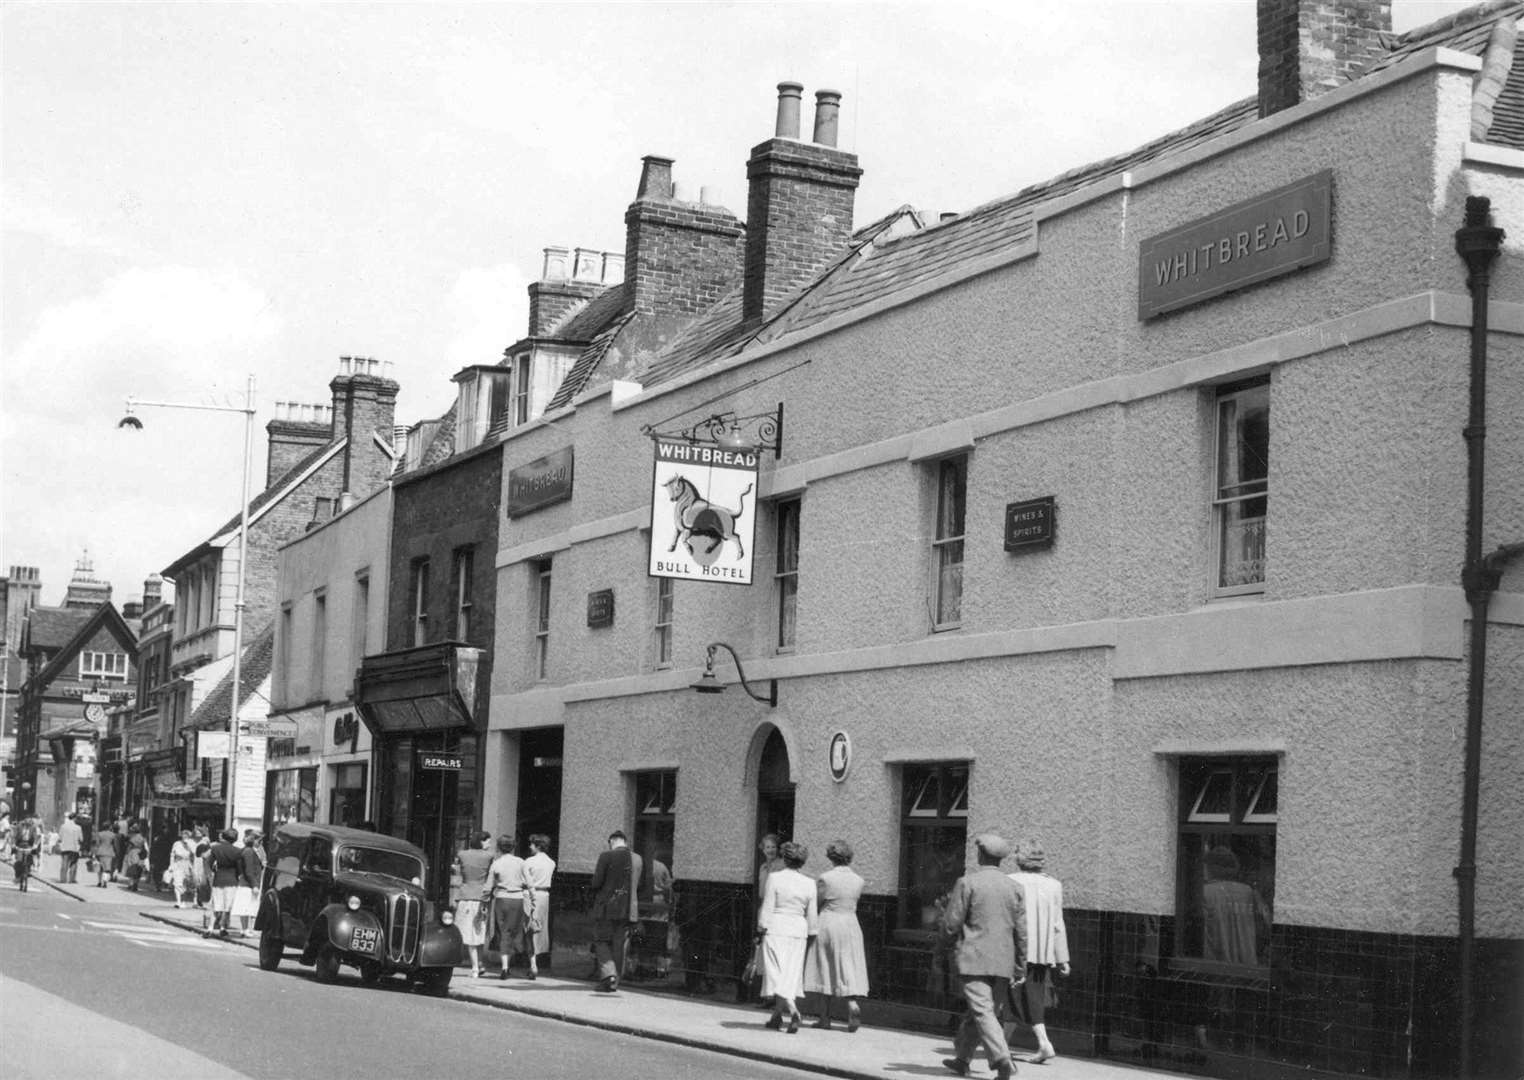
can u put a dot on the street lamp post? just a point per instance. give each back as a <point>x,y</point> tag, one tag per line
<point>131,421</point>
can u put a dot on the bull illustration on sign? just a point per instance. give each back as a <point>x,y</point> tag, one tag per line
<point>695,515</point>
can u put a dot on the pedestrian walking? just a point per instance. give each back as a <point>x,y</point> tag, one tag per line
<point>1047,944</point>
<point>158,857</point>
<point>785,924</point>
<point>135,863</point>
<point>837,965</point>
<point>71,838</point>
<point>225,860</point>
<point>539,869</point>
<point>26,843</point>
<point>472,864</point>
<point>105,857</point>
<point>251,872</point>
<point>504,890</point>
<point>985,922</point>
<point>201,872</point>
<point>771,861</point>
<point>182,859</point>
<point>616,907</point>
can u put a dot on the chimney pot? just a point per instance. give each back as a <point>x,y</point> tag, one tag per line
<point>554,268</point>
<point>827,109</point>
<point>788,110</point>
<point>707,196</point>
<point>655,178</point>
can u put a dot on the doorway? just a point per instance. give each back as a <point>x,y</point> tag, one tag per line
<point>539,809</point>
<point>775,792</point>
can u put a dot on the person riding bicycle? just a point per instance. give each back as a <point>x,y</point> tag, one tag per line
<point>26,842</point>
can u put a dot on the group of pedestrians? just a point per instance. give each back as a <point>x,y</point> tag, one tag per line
<point>231,873</point>
<point>502,898</point>
<point>1009,941</point>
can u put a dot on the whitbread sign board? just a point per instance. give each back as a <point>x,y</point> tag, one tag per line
<point>703,512</point>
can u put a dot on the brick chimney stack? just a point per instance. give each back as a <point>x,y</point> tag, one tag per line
<point>566,282</point>
<point>799,203</point>
<point>296,431</point>
<point>1308,47</point>
<point>153,591</point>
<point>364,405</point>
<point>679,257</point>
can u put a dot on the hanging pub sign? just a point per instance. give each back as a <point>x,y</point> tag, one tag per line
<point>703,512</point>
<point>1249,242</point>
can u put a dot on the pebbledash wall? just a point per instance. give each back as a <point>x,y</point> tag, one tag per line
<point>1081,676</point>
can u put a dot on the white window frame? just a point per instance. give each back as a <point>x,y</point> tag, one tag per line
<point>464,570</point>
<point>1226,496</point>
<point>360,631</point>
<point>319,643</point>
<point>420,600</point>
<point>542,619</point>
<point>102,665</point>
<point>787,513</point>
<point>665,605</point>
<point>945,543</point>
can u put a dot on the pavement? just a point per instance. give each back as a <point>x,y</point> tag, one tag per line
<point>720,1027</point>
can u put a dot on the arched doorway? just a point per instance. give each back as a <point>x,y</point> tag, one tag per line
<point>775,790</point>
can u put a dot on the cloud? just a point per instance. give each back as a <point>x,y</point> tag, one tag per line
<point>489,309</point>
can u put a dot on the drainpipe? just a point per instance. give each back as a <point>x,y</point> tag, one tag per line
<point>1478,243</point>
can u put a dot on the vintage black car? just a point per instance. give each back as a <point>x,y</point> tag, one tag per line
<point>349,896</point>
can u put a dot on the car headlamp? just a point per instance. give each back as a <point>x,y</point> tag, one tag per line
<point>447,917</point>
<point>353,903</point>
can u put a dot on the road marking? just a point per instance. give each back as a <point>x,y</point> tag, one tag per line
<point>153,936</point>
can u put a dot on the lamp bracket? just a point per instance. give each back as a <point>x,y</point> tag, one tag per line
<point>769,699</point>
<point>764,431</point>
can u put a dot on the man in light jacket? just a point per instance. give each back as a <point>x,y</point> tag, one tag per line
<point>986,922</point>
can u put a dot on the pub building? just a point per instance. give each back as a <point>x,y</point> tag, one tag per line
<point>1127,512</point>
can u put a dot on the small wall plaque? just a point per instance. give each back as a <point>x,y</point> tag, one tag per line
<point>1029,525</point>
<point>600,608</point>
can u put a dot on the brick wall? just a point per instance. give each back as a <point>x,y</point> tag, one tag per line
<point>289,442</point>
<point>550,301</point>
<point>680,258</point>
<point>363,406</point>
<point>798,217</point>
<point>1308,47</point>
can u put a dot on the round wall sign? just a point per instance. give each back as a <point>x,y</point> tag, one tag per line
<point>841,756</point>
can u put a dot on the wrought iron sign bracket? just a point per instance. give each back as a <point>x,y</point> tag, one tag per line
<point>759,431</point>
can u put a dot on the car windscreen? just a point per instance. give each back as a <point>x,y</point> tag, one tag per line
<point>368,860</point>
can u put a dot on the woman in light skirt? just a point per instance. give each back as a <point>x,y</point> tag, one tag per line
<point>472,864</point>
<point>838,965</point>
<point>785,923</point>
<point>539,868</point>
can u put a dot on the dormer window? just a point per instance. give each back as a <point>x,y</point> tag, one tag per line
<point>482,403</point>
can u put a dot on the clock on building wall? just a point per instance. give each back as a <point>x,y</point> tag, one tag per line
<point>95,712</point>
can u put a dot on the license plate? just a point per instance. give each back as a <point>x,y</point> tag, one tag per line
<point>364,939</point>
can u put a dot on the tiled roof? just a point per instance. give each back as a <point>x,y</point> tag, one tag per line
<point>53,628</point>
<point>1470,31</point>
<point>886,264</point>
<point>258,658</point>
<point>586,321</point>
<point>442,445</point>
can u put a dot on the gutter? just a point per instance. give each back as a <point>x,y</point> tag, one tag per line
<point>1478,243</point>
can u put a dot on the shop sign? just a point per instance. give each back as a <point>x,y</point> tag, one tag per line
<point>346,729</point>
<point>434,759</point>
<point>600,608</point>
<point>267,729</point>
<point>212,744</point>
<point>703,512</point>
<point>1029,525</point>
<point>1252,241</point>
<point>840,751</point>
<point>543,482</point>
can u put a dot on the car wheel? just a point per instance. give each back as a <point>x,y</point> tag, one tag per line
<point>435,981</point>
<point>370,974</point>
<point>271,949</point>
<point>327,964</point>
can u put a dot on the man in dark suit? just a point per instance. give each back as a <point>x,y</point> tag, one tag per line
<point>616,909</point>
<point>985,921</point>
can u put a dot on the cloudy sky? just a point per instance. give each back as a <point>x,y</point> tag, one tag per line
<point>192,193</point>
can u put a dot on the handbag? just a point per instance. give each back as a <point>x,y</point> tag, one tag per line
<point>167,877</point>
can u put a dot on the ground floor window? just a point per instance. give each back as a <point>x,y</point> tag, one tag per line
<point>346,804</point>
<point>933,839</point>
<point>1226,876</point>
<point>291,795</point>
<point>655,818</point>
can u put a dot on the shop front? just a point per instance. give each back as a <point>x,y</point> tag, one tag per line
<point>419,707</point>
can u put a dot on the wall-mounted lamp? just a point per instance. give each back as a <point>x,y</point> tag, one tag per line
<point>708,684</point>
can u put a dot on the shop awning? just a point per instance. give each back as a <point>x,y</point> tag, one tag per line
<point>422,689</point>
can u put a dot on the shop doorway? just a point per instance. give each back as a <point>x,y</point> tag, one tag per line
<point>775,792</point>
<point>426,793</point>
<point>539,809</point>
